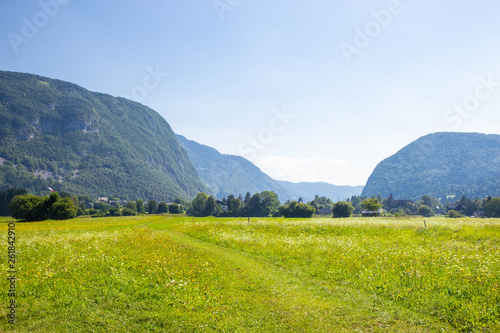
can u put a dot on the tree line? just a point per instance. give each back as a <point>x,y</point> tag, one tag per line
<point>263,204</point>
<point>16,202</point>
<point>23,206</point>
<point>428,206</point>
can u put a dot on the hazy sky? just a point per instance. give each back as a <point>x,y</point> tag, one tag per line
<point>310,90</point>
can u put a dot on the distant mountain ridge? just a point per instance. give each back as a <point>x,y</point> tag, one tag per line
<point>55,133</point>
<point>309,189</point>
<point>442,165</point>
<point>230,174</point>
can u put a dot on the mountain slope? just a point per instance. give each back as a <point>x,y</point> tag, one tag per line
<point>440,164</point>
<point>308,190</point>
<point>55,133</point>
<point>229,174</point>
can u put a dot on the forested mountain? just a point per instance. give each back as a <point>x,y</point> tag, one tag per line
<point>441,165</point>
<point>54,133</point>
<point>229,174</point>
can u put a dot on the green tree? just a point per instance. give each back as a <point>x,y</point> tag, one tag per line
<point>356,203</point>
<point>464,201</point>
<point>388,202</point>
<point>25,207</point>
<point>162,207</point>
<point>102,206</point>
<point>315,204</point>
<point>371,204</point>
<point>128,212</point>
<point>412,208</point>
<point>139,204</point>
<point>304,210</point>
<point>425,211</point>
<point>247,198</point>
<point>254,206</point>
<point>65,194</point>
<point>199,203</point>
<point>210,207</point>
<point>492,208</point>
<point>453,214</point>
<point>295,209</point>
<point>84,199</point>
<point>48,202</point>
<point>174,208</point>
<point>269,203</point>
<point>342,209</point>
<point>472,206</point>
<point>287,209</point>
<point>132,205</point>
<point>63,209</point>
<point>152,207</point>
<point>6,197</point>
<point>34,208</point>
<point>233,206</point>
<point>114,211</point>
<point>427,200</point>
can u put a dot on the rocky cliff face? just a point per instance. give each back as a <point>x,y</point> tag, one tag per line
<point>54,133</point>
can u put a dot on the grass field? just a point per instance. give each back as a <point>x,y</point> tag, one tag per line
<point>184,274</point>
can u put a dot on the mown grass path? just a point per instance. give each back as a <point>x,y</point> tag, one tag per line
<point>287,300</point>
<point>179,274</point>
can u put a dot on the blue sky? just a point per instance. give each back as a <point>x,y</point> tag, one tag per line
<point>310,90</point>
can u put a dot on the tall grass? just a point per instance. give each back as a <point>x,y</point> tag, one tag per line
<point>449,270</point>
<point>180,274</point>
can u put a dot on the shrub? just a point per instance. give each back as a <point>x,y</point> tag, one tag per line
<point>99,213</point>
<point>80,211</point>
<point>174,209</point>
<point>453,214</point>
<point>425,211</point>
<point>128,212</point>
<point>63,209</point>
<point>342,209</point>
<point>26,207</point>
<point>30,207</point>
<point>295,209</point>
<point>115,212</point>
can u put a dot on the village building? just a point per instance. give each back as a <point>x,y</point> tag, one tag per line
<point>457,207</point>
<point>325,211</point>
<point>222,204</point>
<point>478,214</point>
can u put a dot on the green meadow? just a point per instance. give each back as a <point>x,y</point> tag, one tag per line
<point>183,274</point>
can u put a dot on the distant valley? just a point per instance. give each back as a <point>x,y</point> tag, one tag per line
<point>230,174</point>
<point>59,135</point>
